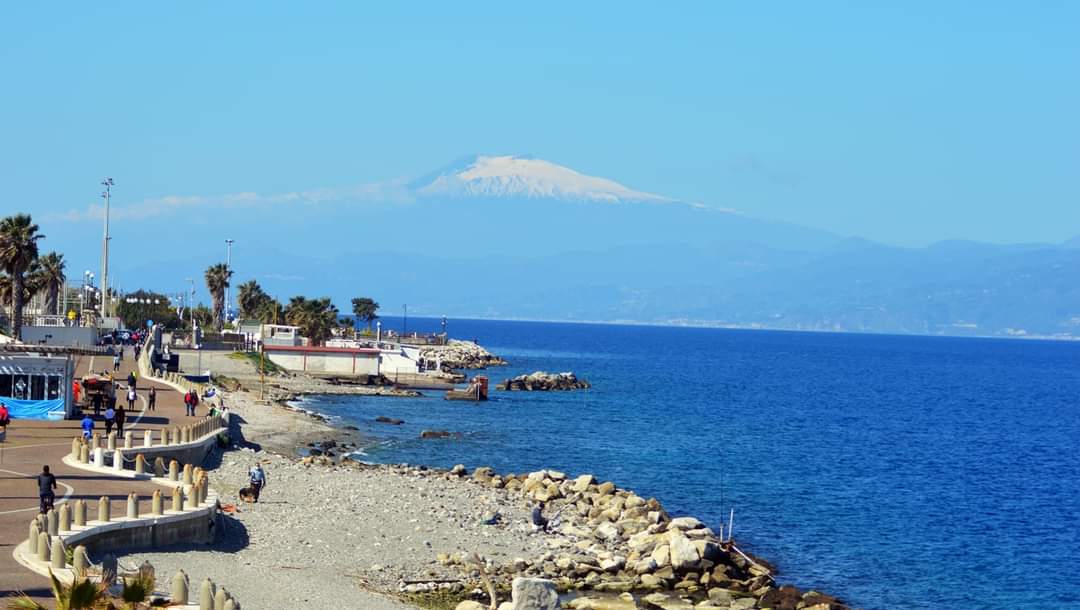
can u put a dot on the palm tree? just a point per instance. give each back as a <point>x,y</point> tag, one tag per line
<point>270,312</point>
<point>81,594</point>
<point>18,250</point>
<point>217,280</point>
<point>315,317</point>
<point>365,309</point>
<point>51,278</point>
<point>250,297</point>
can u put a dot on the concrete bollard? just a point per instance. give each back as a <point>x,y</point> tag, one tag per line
<point>185,434</point>
<point>84,454</point>
<point>64,518</point>
<point>32,541</point>
<point>53,521</point>
<point>175,436</point>
<point>133,506</point>
<point>159,467</point>
<point>140,464</point>
<point>76,448</point>
<point>111,441</point>
<point>80,513</point>
<point>164,436</point>
<point>177,499</point>
<point>57,556</point>
<point>220,598</point>
<point>99,457</point>
<point>179,590</point>
<point>174,470</point>
<point>80,561</point>
<point>188,480</point>
<point>95,441</point>
<point>155,502</point>
<point>148,438</point>
<point>43,546</point>
<point>206,595</point>
<point>118,460</point>
<point>103,509</point>
<point>129,436</point>
<point>230,604</point>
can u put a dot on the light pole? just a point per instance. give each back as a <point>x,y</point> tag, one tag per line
<point>108,184</point>
<point>404,321</point>
<point>228,264</point>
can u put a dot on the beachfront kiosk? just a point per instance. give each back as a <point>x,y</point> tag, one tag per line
<point>35,382</point>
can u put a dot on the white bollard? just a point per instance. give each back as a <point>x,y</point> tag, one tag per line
<point>118,460</point>
<point>148,438</point>
<point>99,457</point>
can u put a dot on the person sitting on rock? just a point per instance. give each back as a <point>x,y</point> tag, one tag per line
<point>539,523</point>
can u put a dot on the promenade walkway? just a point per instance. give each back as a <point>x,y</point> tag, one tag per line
<point>30,444</point>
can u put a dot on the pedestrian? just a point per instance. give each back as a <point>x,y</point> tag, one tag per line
<point>121,417</point>
<point>187,403</point>
<point>131,379</point>
<point>46,489</point>
<point>131,396</point>
<point>257,479</point>
<point>151,399</point>
<point>87,427</point>
<point>116,362</point>
<point>96,400</point>
<point>110,419</point>
<point>5,416</point>
<point>194,402</point>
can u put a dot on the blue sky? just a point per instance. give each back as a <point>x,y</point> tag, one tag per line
<point>904,122</point>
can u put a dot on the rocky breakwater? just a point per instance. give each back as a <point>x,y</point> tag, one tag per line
<point>461,355</point>
<point>603,539</point>
<point>543,382</point>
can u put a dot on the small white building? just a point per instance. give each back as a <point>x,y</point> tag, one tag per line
<point>329,361</point>
<point>36,384</point>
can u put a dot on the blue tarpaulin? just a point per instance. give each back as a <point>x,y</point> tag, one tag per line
<point>34,409</point>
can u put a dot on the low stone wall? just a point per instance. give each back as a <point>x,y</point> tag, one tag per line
<point>187,444</point>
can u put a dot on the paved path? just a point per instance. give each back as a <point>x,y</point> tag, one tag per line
<point>30,444</point>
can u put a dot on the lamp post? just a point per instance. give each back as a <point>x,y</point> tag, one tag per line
<point>108,184</point>
<point>228,264</point>
<point>404,321</point>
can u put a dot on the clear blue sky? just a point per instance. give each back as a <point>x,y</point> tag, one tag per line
<point>905,122</point>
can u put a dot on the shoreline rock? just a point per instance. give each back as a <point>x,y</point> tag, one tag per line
<point>541,381</point>
<point>457,355</point>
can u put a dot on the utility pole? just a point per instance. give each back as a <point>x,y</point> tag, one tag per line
<point>228,266</point>
<point>108,184</point>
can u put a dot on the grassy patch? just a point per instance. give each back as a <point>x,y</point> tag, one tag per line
<point>268,367</point>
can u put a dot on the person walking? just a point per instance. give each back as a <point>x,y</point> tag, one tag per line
<point>151,399</point>
<point>187,403</point>
<point>121,417</point>
<point>116,362</point>
<point>131,396</point>
<point>96,401</point>
<point>131,379</point>
<point>110,419</point>
<point>257,480</point>
<point>87,426</point>
<point>46,489</point>
<point>5,416</point>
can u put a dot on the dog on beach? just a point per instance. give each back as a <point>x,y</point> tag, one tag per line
<point>247,494</point>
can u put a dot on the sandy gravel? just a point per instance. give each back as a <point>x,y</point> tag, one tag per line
<point>340,536</point>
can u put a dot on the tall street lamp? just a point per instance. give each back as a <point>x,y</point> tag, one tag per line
<point>108,184</point>
<point>228,265</point>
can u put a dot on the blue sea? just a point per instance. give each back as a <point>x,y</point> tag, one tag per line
<point>892,471</point>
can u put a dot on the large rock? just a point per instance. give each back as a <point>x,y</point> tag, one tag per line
<point>543,382</point>
<point>685,523</point>
<point>470,605</point>
<point>461,355</point>
<point>534,594</point>
<point>683,554</point>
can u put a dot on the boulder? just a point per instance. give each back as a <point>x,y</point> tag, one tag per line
<point>581,484</point>
<point>543,382</point>
<point>685,523</point>
<point>382,419</point>
<point>683,554</point>
<point>439,434</point>
<point>534,594</point>
<point>470,605</point>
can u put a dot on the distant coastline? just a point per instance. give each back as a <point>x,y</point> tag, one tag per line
<point>706,324</point>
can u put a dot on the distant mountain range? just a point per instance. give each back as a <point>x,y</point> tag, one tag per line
<point>518,237</point>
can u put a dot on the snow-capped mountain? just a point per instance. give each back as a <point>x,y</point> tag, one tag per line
<point>524,177</point>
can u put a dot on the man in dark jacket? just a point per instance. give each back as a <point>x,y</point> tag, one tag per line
<point>46,489</point>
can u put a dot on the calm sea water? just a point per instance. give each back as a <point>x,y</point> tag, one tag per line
<point>895,472</point>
